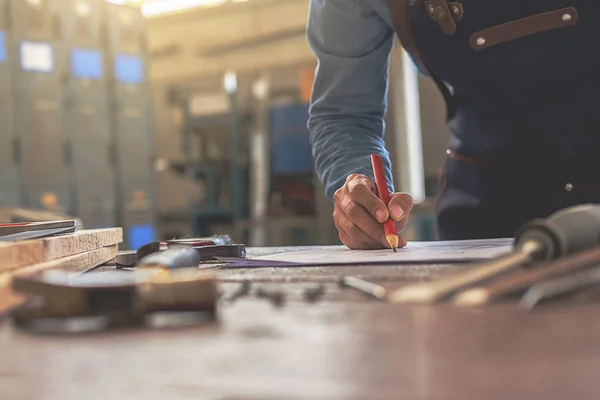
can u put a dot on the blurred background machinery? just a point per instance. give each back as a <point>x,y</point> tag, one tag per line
<point>247,163</point>
<point>131,123</point>
<point>35,55</point>
<point>186,117</point>
<point>10,191</point>
<point>76,134</point>
<point>87,112</point>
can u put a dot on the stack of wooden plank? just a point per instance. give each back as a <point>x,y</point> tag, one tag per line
<point>79,251</point>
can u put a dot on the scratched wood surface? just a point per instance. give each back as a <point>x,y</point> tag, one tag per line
<point>344,346</point>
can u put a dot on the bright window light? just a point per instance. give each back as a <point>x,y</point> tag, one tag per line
<point>230,82</point>
<point>155,8</point>
<point>37,57</point>
<point>413,129</point>
<point>161,7</point>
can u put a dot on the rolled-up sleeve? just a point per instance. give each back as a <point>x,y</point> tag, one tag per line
<point>346,120</point>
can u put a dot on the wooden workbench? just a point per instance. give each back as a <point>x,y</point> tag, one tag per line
<point>343,347</point>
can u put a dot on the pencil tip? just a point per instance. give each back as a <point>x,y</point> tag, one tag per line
<point>392,241</point>
<point>394,249</point>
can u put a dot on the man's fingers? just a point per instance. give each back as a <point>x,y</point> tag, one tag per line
<point>400,206</point>
<point>361,219</point>
<point>363,180</point>
<point>355,244</point>
<point>361,190</point>
<point>359,214</point>
<point>344,223</point>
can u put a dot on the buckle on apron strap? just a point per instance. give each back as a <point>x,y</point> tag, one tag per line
<point>446,14</point>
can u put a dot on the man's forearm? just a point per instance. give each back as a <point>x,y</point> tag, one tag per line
<point>352,43</point>
<point>341,148</point>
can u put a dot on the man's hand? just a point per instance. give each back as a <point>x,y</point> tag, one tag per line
<point>359,214</point>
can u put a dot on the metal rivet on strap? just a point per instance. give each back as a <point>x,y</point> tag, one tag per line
<point>480,41</point>
<point>440,13</point>
<point>456,10</point>
<point>569,187</point>
<point>566,17</point>
<point>431,8</point>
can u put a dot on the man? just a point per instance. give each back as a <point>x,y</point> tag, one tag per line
<point>521,82</point>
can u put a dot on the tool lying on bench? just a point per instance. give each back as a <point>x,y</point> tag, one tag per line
<point>520,281</point>
<point>583,282</point>
<point>58,301</point>
<point>181,253</point>
<point>154,247</point>
<point>565,232</point>
<point>33,230</point>
<point>368,288</point>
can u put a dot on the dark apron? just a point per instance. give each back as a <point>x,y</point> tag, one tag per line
<point>521,81</point>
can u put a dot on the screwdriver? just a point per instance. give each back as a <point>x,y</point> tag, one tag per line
<point>565,232</point>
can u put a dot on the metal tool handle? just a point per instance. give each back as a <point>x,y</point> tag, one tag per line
<point>173,258</point>
<point>564,232</point>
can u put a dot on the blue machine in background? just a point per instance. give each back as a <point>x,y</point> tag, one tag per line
<point>290,145</point>
<point>292,177</point>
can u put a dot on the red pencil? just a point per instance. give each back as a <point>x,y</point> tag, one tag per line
<point>383,192</point>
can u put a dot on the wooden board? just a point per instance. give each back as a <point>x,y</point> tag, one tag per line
<point>15,255</point>
<point>77,262</point>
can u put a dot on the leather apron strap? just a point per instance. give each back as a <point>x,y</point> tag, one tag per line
<point>402,15</point>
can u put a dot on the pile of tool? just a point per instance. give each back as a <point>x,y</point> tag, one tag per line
<point>552,258</point>
<point>41,275</point>
<point>160,282</point>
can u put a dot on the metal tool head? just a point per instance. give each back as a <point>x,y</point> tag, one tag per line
<point>58,301</point>
<point>35,230</point>
<point>206,251</point>
<point>567,231</point>
<point>207,241</point>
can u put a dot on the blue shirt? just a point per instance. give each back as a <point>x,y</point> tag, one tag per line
<point>352,40</point>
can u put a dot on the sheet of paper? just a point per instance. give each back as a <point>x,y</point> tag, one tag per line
<point>414,252</point>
